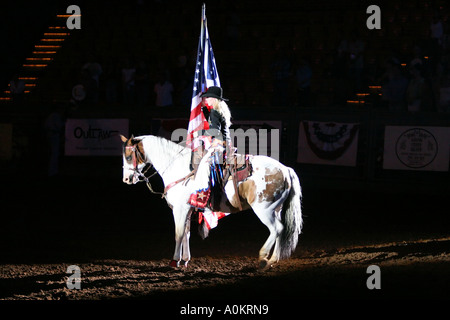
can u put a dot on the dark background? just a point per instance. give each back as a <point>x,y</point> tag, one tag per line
<point>86,212</point>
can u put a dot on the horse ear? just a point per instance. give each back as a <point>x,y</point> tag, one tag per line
<point>123,138</point>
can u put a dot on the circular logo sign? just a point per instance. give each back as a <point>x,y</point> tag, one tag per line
<point>416,148</point>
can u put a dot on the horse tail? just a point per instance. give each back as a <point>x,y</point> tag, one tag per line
<point>291,217</point>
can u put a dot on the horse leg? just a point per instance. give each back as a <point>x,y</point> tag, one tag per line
<point>265,250</point>
<point>186,252</point>
<point>180,216</point>
<point>267,216</point>
<point>276,252</point>
<point>279,228</point>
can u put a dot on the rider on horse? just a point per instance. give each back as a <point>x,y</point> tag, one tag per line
<point>218,138</point>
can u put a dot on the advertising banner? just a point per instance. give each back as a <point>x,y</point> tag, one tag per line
<point>94,137</point>
<point>416,148</point>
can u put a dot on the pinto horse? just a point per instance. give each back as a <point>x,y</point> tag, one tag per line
<point>272,191</point>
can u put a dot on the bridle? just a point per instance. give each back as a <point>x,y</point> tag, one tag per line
<point>135,155</point>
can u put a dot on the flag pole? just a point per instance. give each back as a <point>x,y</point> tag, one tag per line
<point>205,75</point>
<point>203,11</point>
<point>195,133</point>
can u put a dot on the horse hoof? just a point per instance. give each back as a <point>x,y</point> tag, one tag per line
<point>174,264</point>
<point>264,265</point>
<point>184,264</point>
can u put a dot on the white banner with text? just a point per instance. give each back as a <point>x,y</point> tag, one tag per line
<point>416,148</point>
<point>95,137</point>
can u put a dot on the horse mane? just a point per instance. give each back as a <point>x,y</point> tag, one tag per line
<point>170,144</point>
<point>164,148</point>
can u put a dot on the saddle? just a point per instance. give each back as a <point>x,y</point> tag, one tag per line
<point>239,169</point>
<point>236,169</point>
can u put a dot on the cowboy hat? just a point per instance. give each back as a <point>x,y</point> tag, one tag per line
<point>213,92</point>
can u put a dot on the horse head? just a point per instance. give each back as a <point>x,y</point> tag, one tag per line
<point>134,159</point>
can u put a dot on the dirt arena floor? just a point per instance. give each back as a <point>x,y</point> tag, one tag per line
<point>121,238</point>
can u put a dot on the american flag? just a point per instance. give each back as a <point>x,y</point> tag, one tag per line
<point>205,76</point>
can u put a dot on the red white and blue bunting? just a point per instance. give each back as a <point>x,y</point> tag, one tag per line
<point>328,143</point>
